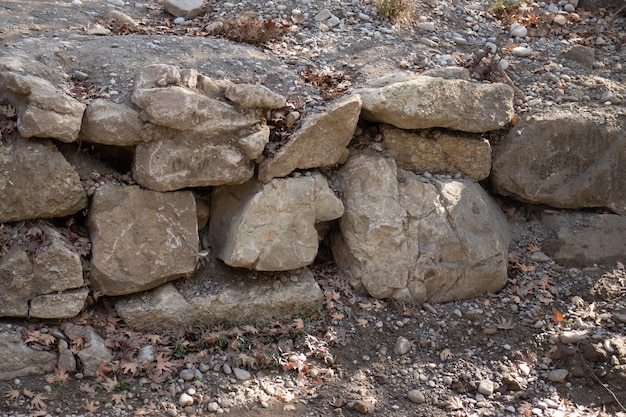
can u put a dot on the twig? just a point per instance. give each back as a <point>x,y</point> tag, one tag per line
<point>508,80</point>
<point>600,382</point>
<point>621,9</point>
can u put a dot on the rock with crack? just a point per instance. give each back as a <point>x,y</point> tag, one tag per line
<point>407,238</point>
<point>320,142</point>
<point>62,305</point>
<point>192,139</point>
<point>20,360</point>
<point>110,123</point>
<point>94,353</point>
<point>271,227</point>
<point>141,239</point>
<point>40,265</point>
<point>563,159</point>
<point>37,182</point>
<point>441,153</point>
<point>43,111</point>
<point>424,102</point>
<point>229,294</point>
<point>584,238</point>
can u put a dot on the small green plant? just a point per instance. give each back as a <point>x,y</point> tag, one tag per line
<point>124,386</point>
<point>180,350</point>
<point>41,58</point>
<point>392,10</point>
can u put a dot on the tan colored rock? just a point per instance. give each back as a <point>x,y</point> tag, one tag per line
<point>94,351</point>
<point>270,227</point>
<point>404,237</point>
<point>23,360</point>
<point>443,153</point>
<point>254,96</point>
<point>236,295</point>
<point>320,142</point>
<point>564,159</point>
<point>49,268</point>
<point>425,102</point>
<point>61,305</point>
<point>111,123</point>
<point>253,145</point>
<point>582,239</point>
<point>43,110</point>
<point>37,182</point>
<point>141,239</point>
<point>184,8</point>
<point>171,160</point>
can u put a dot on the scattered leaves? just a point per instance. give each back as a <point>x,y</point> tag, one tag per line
<point>332,84</point>
<point>90,406</point>
<point>38,401</point>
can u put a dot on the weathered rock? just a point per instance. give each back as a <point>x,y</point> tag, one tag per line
<point>141,239</point>
<point>270,227</point>
<point>184,8</point>
<point>37,182</point>
<point>95,351</point>
<point>425,102</point>
<point>564,159</point>
<point>443,153</point>
<point>230,294</point>
<point>23,360</point>
<point>581,55</point>
<point>403,237</point>
<point>67,361</point>
<point>58,306</point>
<point>110,123</point>
<point>172,160</point>
<point>320,142</point>
<point>254,96</point>
<point>585,238</point>
<point>42,110</point>
<point>48,267</point>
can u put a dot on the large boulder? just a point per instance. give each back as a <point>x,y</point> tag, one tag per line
<point>425,102</point>
<point>141,239</point>
<point>320,142</point>
<point>407,237</point>
<point>37,182</point>
<point>194,139</point>
<point>564,159</point>
<point>20,360</point>
<point>217,293</point>
<point>40,265</point>
<point>110,123</point>
<point>43,111</point>
<point>582,239</point>
<point>440,152</point>
<point>271,227</point>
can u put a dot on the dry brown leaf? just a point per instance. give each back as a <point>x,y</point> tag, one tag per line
<point>90,406</point>
<point>28,393</point>
<point>103,369</point>
<point>532,247</point>
<point>338,316</point>
<point>361,322</point>
<point>445,354</point>
<point>504,324</point>
<point>130,367</point>
<point>38,401</point>
<point>298,323</point>
<point>119,398</point>
<point>88,389</point>
<point>12,395</point>
<point>109,384</point>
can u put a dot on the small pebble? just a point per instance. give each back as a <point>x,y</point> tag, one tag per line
<point>241,374</point>
<point>402,346</point>
<point>485,387</point>
<point>416,396</point>
<point>558,375</point>
<point>185,400</point>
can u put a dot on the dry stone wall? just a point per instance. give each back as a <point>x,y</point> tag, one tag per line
<point>406,216</point>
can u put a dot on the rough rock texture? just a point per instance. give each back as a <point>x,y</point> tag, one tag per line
<point>110,123</point>
<point>60,305</point>
<point>94,352</point>
<point>320,142</point>
<point>49,268</point>
<point>233,295</point>
<point>565,160</point>
<point>251,96</point>
<point>43,111</point>
<point>193,140</point>
<point>37,182</point>
<point>425,102</point>
<point>441,153</point>
<point>584,238</point>
<point>23,360</point>
<point>404,237</point>
<point>141,239</point>
<point>271,227</point>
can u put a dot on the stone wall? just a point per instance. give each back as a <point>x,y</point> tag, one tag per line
<point>388,175</point>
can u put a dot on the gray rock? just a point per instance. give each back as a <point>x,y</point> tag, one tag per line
<point>67,361</point>
<point>402,346</point>
<point>27,187</point>
<point>110,123</point>
<point>95,351</point>
<point>185,400</point>
<point>582,56</point>
<point>242,374</point>
<point>416,396</point>
<point>563,159</point>
<point>187,374</point>
<point>23,360</point>
<point>425,102</point>
<point>485,387</point>
<point>584,238</point>
<point>146,354</point>
<point>60,305</point>
<point>320,142</point>
<point>141,239</point>
<point>184,8</point>
<point>572,336</point>
<point>254,96</point>
<point>558,375</point>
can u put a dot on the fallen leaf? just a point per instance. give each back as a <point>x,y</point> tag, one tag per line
<point>557,316</point>
<point>38,401</point>
<point>532,248</point>
<point>338,316</point>
<point>298,323</point>
<point>504,324</point>
<point>445,354</point>
<point>88,389</point>
<point>119,398</point>
<point>13,394</point>
<point>27,393</point>
<point>90,406</point>
<point>103,369</point>
<point>361,322</point>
